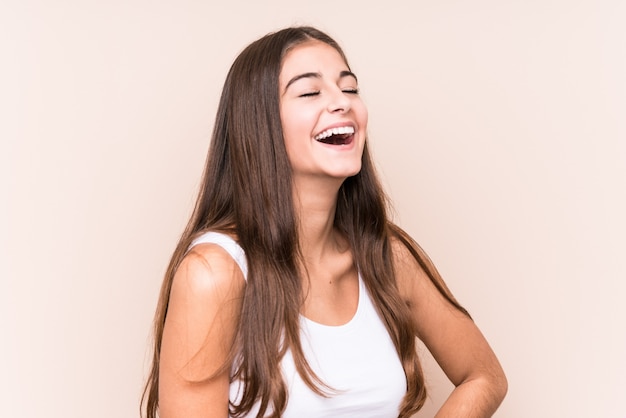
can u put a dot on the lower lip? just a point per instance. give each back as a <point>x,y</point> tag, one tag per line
<point>345,146</point>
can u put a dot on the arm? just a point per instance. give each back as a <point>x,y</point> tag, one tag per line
<point>455,342</point>
<point>200,326</point>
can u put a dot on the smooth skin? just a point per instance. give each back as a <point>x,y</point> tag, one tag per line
<point>206,295</point>
<point>202,316</point>
<point>455,342</point>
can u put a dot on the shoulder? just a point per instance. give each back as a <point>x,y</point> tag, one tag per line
<point>406,266</point>
<point>199,331</point>
<point>203,307</point>
<point>418,280</point>
<point>400,251</point>
<point>207,268</point>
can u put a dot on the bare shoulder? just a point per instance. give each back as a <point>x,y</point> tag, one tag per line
<point>409,273</point>
<point>199,333</point>
<point>450,335</point>
<point>208,268</point>
<point>401,254</point>
<point>203,312</point>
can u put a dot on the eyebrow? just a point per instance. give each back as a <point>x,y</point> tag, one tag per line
<point>342,74</point>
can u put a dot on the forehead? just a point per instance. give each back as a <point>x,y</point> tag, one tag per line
<point>311,56</point>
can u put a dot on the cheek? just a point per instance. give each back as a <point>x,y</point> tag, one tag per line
<point>362,115</point>
<point>288,127</point>
<point>297,124</point>
<point>294,133</point>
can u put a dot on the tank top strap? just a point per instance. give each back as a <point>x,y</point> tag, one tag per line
<point>227,243</point>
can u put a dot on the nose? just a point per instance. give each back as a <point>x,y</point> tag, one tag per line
<point>339,102</point>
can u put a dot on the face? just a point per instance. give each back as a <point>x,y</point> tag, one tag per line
<point>323,117</point>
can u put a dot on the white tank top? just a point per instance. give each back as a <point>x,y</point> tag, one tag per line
<point>357,359</point>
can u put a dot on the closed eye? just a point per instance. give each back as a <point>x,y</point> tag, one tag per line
<point>351,91</point>
<point>310,94</point>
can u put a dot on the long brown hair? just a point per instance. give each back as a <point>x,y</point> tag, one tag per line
<point>247,189</point>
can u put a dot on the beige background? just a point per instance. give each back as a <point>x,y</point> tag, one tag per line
<point>499,128</point>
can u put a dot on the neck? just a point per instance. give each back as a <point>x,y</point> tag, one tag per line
<point>315,204</point>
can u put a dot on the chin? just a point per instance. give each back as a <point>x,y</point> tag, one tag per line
<point>349,172</point>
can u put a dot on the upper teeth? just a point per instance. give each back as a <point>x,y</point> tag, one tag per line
<point>334,131</point>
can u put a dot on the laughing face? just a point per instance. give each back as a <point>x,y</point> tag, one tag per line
<point>323,117</point>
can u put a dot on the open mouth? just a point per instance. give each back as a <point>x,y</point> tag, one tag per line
<point>336,136</point>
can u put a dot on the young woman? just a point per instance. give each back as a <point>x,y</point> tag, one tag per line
<point>291,293</point>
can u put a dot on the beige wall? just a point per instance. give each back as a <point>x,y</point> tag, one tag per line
<point>498,127</point>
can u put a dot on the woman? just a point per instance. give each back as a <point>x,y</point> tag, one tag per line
<point>290,292</point>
